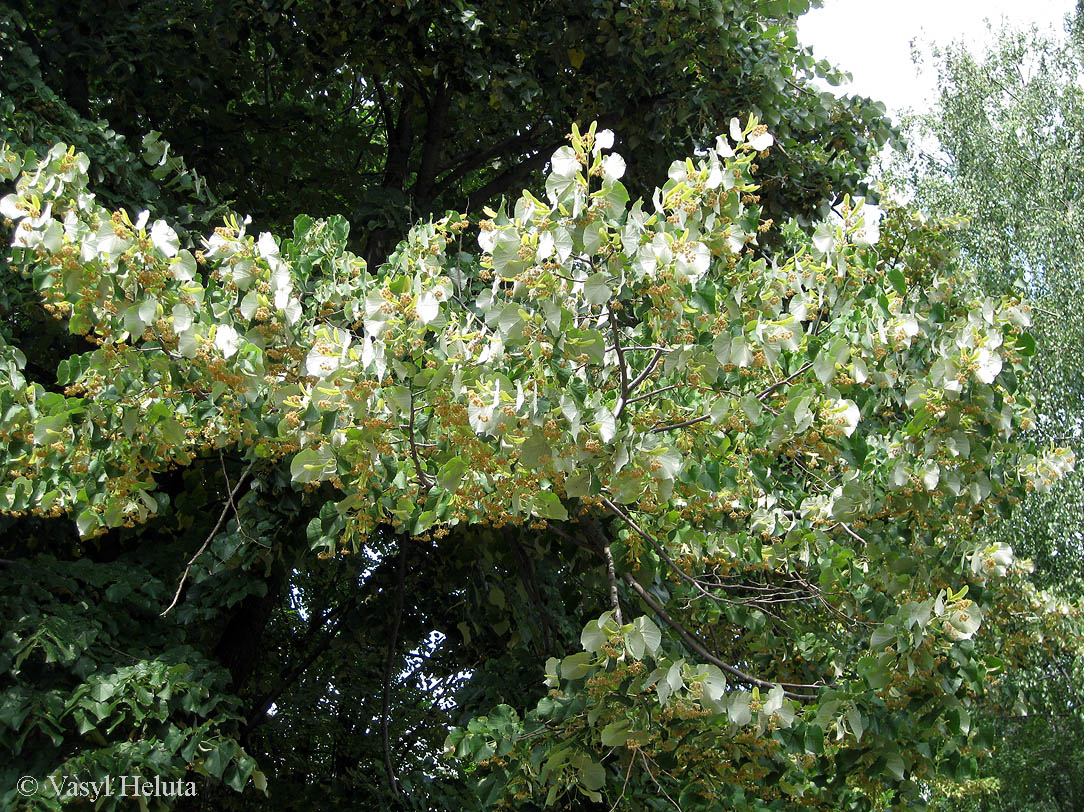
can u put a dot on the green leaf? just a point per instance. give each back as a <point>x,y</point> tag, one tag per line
<point>547,505</point>
<point>219,758</point>
<point>650,632</point>
<point>259,781</point>
<point>578,484</point>
<point>854,719</point>
<point>1025,344</point>
<point>615,734</point>
<point>593,637</point>
<point>86,522</point>
<point>312,465</point>
<point>881,636</point>
<point>596,290</point>
<point>451,474</point>
<point>593,776</point>
<point>898,280</point>
<point>895,766</point>
<point>576,666</point>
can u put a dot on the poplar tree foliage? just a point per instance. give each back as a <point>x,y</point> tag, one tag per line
<point>782,465</point>
<point>1008,164</point>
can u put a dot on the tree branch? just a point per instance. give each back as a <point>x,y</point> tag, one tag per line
<point>620,366</point>
<point>696,646</point>
<point>658,548</point>
<point>434,138</point>
<point>466,162</point>
<point>681,425</point>
<point>206,541</point>
<point>647,370</point>
<point>611,574</point>
<point>764,394</point>
<point>423,479</point>
<point>502,182</point>
<point>289,677</point>
<point>653,392</point>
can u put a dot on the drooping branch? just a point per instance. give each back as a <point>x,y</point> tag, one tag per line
<point>761,396</point>
<point>699,648</point>
<point>658,548</point>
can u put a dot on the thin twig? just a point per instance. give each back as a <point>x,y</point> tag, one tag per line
<point>658,548</point>
<point>681,425</point>
<point>851,533</point>
<point>206,541</point>
<point>233,504</point>
<point>653,392</point>
<point>757,603</point>
<point>651,775</point>
<point>786,380</point>
<point>624,786</point>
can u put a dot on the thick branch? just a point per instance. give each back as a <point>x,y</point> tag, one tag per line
<point>466,162</point>
<point>611,575</point>
<point>434,137</point>
<point>287,679</point>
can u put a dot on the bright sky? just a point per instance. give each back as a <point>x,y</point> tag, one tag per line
<point>871,39</point>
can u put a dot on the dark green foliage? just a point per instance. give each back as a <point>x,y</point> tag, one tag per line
<point>388,111</point>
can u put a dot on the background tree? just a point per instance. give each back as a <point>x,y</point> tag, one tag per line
<point>1002,151</point>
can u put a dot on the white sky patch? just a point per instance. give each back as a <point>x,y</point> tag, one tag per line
<point>871,39</point>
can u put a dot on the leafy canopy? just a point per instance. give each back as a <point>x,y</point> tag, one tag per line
<point>781,463</point>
